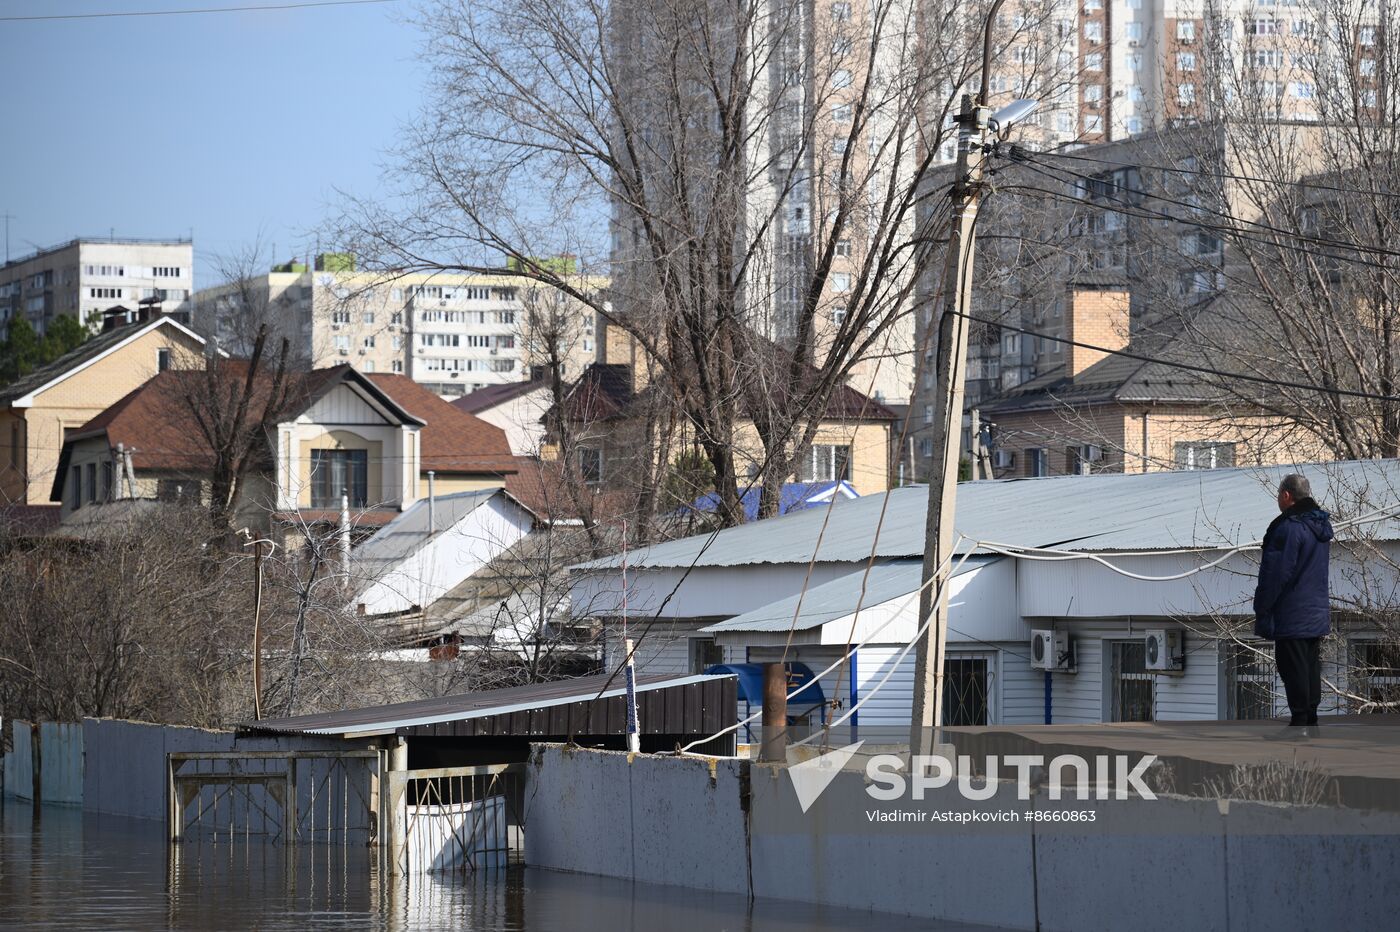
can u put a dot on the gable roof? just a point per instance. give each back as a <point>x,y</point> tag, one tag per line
<point>452,441</point>
<point>1118,379</point>
<point>793,496</point>
<point>483,399</point>
<point>20,393</point>
<point>1105,512</point>
<point>159,424</point>
<point>409,531</point>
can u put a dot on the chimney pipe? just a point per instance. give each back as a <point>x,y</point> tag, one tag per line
<point>432,503</point>
<point>345,533</point>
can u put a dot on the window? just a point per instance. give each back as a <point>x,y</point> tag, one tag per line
<point>368,317</point>
<point>505,342</point>
<point>504,294</point>
<point>342,343</point>
<point>838,314</point>
<point>104,292</point>
<point>843,248</point>
<point>75,481</point>
<point>162,359</point>
<point>1249,679</point>
<point>1375,668</point>
<point>107,477</point>
<point>397,365</point>
<point>841,113</point>
<point>1093,93</point>
<point>1186,94</point>
<point>704,653</point>
<point>841,46</point>
<point>177,491</point>
<point>14,445</point>
<point>840,78</point>
<point>840,282</point>
<point>1037,462</point>
<point>838,145</point>
<point>1366,35</point>
<point>1185,61</point>
<point>965,695</point>
<point>1093,61</point>
<point>164,271</point>
<point>340,317</point>
<point>503,365</point>
<point>1204,455</point>
<point>1304,90</point>
<point>92,483</point>
<point>1093,5</point>
<point>928,414</point>
<point>1367,67</point>
<point>1134,32</point>
<point>1093,31</point>
<point>339,472</point>
<point>505,317</point>
<point>1261,27</point>
<point>1185,30</point>
<point>368,342</point>
<point>840,12</point>
<point>590,464</point>
<point>396,294</point>
<point>1011,344</point>
<point>1093,123</point>
<point>1133,687</point>
<point>825,462</point>
<point>1083,459</point>
<point>396,318</point>
<point>396,342</point>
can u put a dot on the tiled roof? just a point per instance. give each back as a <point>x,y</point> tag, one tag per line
<point>453,440</point>
<point>493,395</point>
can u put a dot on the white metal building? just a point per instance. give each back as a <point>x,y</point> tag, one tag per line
<point>797,586</point>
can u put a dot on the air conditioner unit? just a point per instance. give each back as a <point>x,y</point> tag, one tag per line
<point>335,326</point>
<point>345,352</point>
<point>362,352</point>
<point>1090,453</point>
<point>495,352</point>
<point>1166,651</point>
<point>1052,650</point>
<point>442,304</point>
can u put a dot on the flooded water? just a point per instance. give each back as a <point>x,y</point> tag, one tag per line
<point>62,869</point>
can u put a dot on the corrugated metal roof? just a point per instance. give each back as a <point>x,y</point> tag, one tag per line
<point>409,531</point>
<point>1107,512</point>
<point>838,598</point>
<point>386,719</point>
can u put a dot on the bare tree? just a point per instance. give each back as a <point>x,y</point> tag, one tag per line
<point>762,164</point>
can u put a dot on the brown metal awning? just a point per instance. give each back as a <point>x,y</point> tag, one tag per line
<point>697,705</point>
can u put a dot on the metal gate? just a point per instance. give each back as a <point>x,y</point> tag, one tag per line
<point>455,818</point>
<point>288,797</point>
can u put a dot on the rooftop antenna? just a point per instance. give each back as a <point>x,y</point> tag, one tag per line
<point>634,737</point>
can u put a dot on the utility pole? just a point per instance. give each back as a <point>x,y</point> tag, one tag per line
<point>973,121</point>
<point>8,217</point>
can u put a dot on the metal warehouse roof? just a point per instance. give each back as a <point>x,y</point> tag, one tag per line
<point>838,598</point>
<point>420,716</point>
<point>1106,512</point>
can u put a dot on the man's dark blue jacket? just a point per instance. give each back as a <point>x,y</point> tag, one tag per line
<point>1291,600</point>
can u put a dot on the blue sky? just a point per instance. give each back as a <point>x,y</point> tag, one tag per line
<point>233,125</point>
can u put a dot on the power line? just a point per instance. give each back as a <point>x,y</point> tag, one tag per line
<point>189,12</point>
<point>1219,176</point>
<point>1320,240</point>
<point>1189,367</point>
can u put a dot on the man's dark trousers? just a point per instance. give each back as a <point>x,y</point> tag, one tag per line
<point>1301,671</point>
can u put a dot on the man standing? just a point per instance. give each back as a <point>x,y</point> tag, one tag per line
<point>1291,603</point>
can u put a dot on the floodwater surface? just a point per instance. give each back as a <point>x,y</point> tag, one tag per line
<point>63,869</point>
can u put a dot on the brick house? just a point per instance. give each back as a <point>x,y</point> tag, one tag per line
<point>1100,412</point>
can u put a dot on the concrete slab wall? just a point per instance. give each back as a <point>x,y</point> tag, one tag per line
<point>658,820</point>
<point>1169,864</point>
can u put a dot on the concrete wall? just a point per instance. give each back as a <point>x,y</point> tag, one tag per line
<point>1169,863</point>
<point>658,820</point>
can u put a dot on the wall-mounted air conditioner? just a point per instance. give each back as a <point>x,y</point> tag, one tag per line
<point>1166,650</point>
<point>1052,650</point>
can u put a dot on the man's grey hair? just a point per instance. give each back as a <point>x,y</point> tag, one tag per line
<point>1296,485</point>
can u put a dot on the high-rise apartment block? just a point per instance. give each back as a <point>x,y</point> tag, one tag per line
<point>452,333</point>
<point>85,277</point>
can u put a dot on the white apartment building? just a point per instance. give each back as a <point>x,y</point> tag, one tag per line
<point>83,277</point>
<point>452,333</point>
